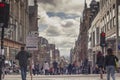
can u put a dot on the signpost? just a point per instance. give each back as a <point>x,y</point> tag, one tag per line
<point>32,43</point>
<point>32,46</point>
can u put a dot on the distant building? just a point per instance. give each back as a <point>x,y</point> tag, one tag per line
<point>81,51</point>
<point>33,17</point>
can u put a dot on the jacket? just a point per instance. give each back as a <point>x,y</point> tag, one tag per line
<point>22,57</point>
<point>110,60</point>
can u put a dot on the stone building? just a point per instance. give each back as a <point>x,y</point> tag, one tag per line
<point>57,55</point>
<point>15,34</point>
<point>33,17</point>
<point>107,20</point>
<point>47,52</point>
<point>33,28</point>
<point>82,50</point>
<point>43,54</point>
<point>83,37</point>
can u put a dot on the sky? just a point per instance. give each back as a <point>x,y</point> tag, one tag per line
<point>59,22</point>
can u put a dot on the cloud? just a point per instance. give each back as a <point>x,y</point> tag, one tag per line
<point>53,31</point>
<point>62,15</point>
<point>60,22</point>
<point>67,6</point>
<point>50,2</point>
<point>68,23</point>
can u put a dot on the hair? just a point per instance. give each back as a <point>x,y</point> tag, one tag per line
<point>109,51</point>
<point>22,48</point>
<point>99,53</point>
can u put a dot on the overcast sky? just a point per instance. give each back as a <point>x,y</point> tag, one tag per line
<point>59,22</point>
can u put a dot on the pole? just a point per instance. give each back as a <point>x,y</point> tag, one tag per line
<point>2,56</point>
<point>117,28</point>
<point>101,70</point>
<point>2,41</point>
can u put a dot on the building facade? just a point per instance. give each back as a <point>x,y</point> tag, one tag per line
<point>47,52</point>
<point>81,44</point>
<point>107,20</point>
<point>82,49</point>
<point>18,25</point>
<point>33,17</point>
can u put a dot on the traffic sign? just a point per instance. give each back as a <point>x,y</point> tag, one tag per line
<point>32,42</point>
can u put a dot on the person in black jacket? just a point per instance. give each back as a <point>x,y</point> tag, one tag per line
<point>110,64</point>
<point>100,63</point>
<point>22,57</point>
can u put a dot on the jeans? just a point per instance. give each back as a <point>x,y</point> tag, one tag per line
<point>110,71</point>
<point>23,72</point>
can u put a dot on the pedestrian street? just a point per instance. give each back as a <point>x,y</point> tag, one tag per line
<point>60,77</point>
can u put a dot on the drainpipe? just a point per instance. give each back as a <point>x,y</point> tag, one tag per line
<point>117,28</point>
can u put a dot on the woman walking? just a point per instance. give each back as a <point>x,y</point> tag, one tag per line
<point>100,63</point>
<point>110,63</point>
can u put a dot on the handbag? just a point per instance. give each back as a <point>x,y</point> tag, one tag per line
<point>116,64</point>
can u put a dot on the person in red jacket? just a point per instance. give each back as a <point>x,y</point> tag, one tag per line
<point>100,63</point>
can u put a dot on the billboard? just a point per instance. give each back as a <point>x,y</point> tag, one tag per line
<point>32,42</point>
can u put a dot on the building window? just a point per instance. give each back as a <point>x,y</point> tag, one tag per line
<point>110,14</point>
<point>105,19</point>
<point>97,35</point>
<point>105,28</point>
<point>113,11</point>
<point>108,26</point>
<point>93,39</point>
<point>107,16</point>
<point>106,3</point>
<point>114,21</point>
<point>102,29</point>
<point>103,22</point>
<point>111,25</point>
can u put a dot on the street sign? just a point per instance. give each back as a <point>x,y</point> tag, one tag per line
<point>32,42</point>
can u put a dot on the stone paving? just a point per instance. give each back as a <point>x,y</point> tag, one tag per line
<point>59,77</point>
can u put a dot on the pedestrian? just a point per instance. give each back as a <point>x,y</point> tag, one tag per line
<point>110,64</point>
<point>62,66</point>
<point>46,67</point>
<point>33,69</point>
<point>36,66</point>
<point>100,63</point>
<point>22,57</point>
<point>70,68</point>
<point>55,66</point>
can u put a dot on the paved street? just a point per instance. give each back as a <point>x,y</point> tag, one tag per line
<point>59,77</point>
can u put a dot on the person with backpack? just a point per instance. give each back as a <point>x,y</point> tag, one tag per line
<point>110,64</point>
<point>22,57</point>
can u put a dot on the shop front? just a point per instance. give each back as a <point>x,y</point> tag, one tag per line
<point>11,48</point>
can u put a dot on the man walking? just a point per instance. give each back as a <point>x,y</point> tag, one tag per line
<point>22,57</point>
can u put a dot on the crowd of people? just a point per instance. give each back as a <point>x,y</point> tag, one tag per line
<point>104,64</point>
<point>60,68</point>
